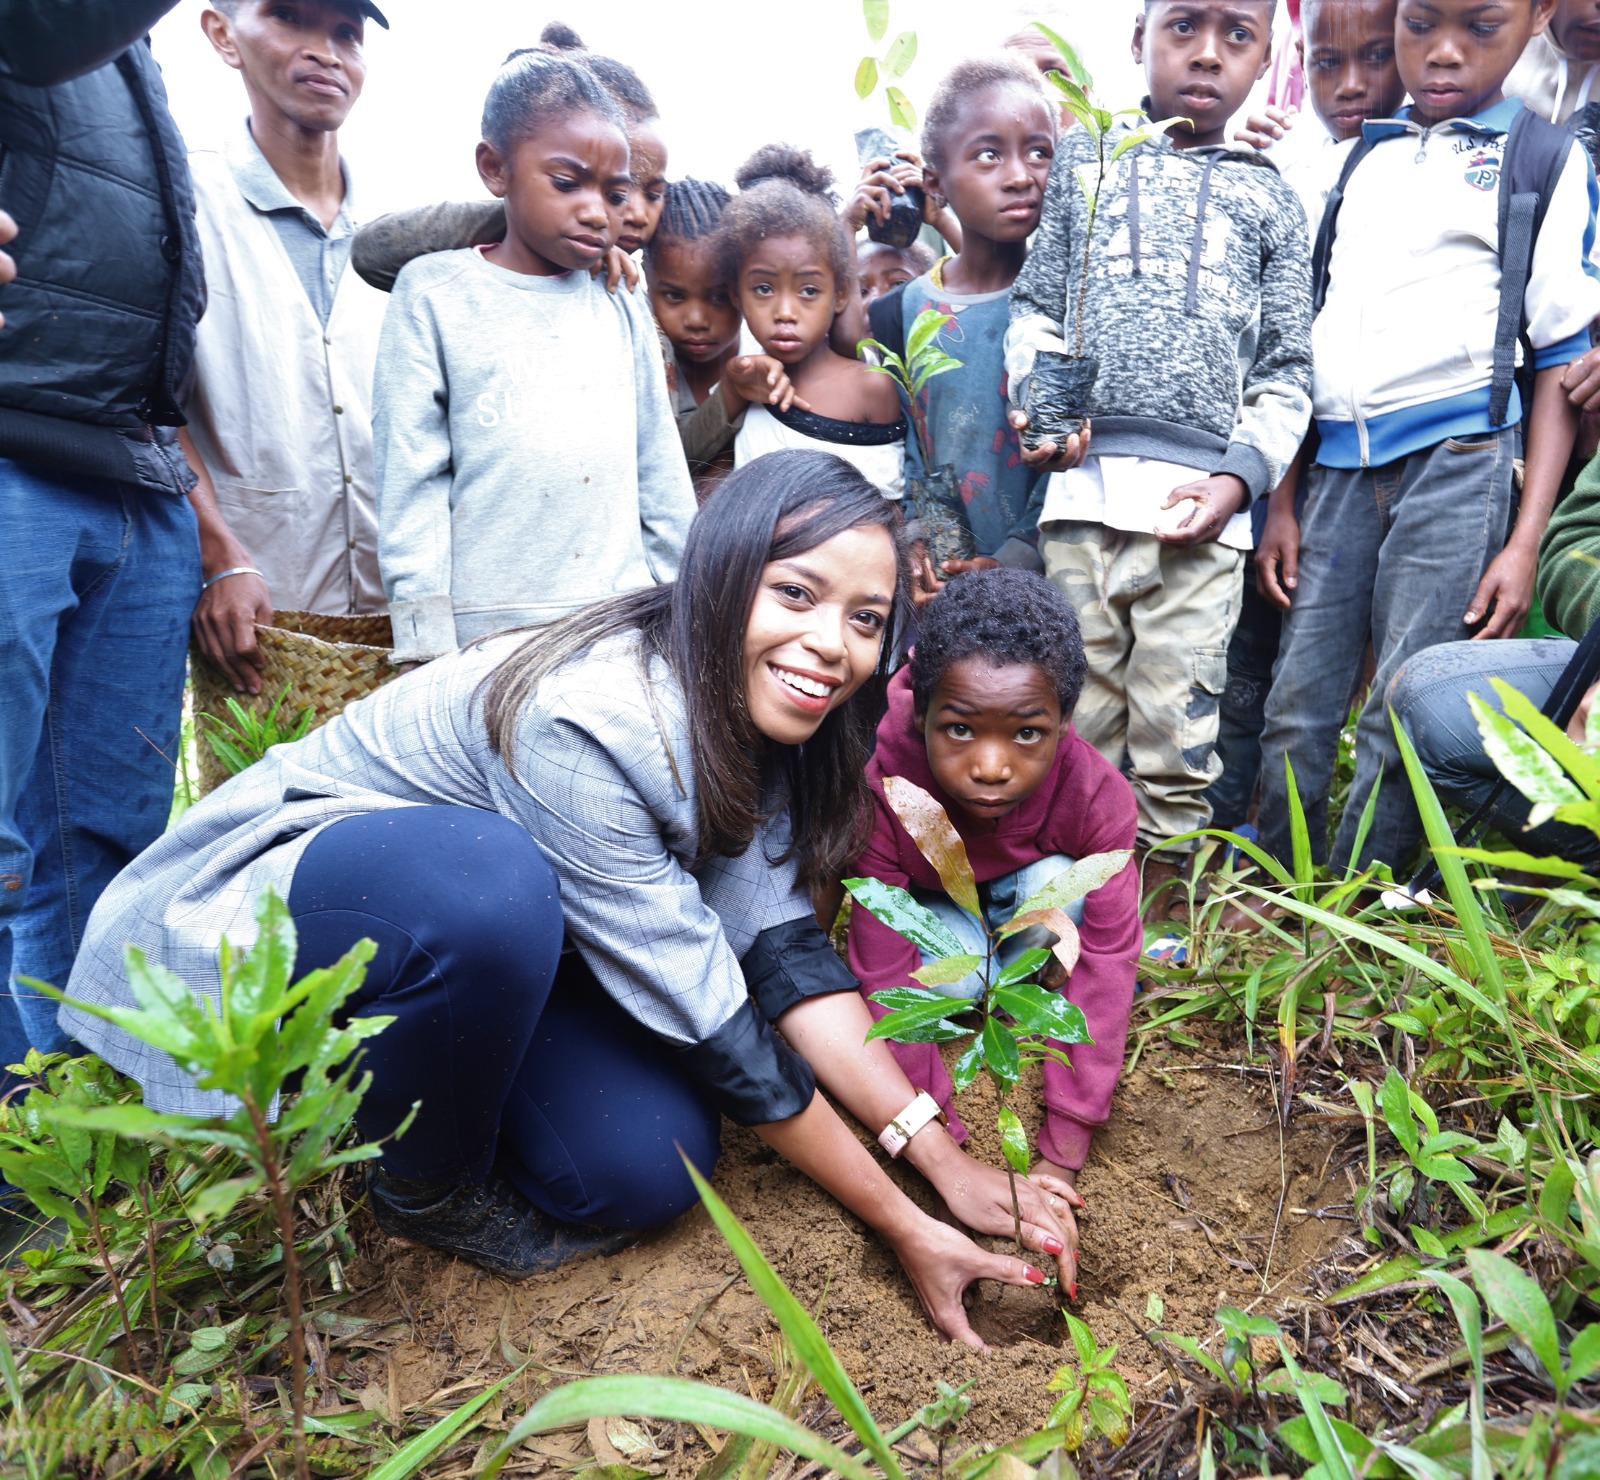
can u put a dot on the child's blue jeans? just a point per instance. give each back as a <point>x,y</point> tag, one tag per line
<point>999,898</point>
<point>1395,552</point>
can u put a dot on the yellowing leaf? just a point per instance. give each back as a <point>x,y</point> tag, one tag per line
<point>866,77</point>
<point>937,840</point>
<point>901,113</point>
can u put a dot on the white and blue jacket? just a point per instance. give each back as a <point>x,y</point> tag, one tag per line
<point>1403,347</point>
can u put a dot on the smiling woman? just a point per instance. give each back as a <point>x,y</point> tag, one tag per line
<point>585,856</point>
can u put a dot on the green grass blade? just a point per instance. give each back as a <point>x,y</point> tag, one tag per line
<point>13,1387</point>
<point>1334,1460</point>
<point>679,1399</point>
<point>415,1453</point>
<point>1299,835</point>
<point>810,1345</point>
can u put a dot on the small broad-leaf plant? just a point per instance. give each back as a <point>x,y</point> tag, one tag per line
<point>1076,88</point>
<point>893,64</point>
<point>1014,1021</point>
<point>923,359</point>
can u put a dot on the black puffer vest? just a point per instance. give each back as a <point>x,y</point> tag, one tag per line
<point>99,323</point>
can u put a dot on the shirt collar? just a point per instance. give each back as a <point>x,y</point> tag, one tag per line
<point>1493,120</point>
<point>258,182</point>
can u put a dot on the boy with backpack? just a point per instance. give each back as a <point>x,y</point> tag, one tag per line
<point>1453,226</point>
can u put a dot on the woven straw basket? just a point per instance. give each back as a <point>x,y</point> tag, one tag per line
<point>327,662</point>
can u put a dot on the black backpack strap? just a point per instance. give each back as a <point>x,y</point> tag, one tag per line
<point>1322,249</point>
<point>1582,669</point>
<point>887,317</point>
<point>1534,157</point>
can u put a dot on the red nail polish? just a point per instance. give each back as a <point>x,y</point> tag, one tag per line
<point>1072,1290</point>
<point>1031,1275</point>
<point>1053,1245</point>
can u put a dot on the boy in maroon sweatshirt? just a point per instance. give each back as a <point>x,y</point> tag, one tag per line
<point>981,719</point>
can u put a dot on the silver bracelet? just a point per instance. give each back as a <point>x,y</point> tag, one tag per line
<point>232,570</point>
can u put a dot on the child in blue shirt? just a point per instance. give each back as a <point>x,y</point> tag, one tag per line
<point>987,141</point>
<point>1413,533</point>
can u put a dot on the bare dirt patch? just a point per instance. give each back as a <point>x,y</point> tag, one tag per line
<point>1192,1196</point>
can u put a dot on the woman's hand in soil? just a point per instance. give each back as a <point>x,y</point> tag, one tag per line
<point>1048,457</point>
<point>762,381</point>
<point>1216,500</point>
<point>941,1262</point>
<point>1504,594</point>
<point>224,625</point>
<point>616,265</point>
<point>980,1196</point>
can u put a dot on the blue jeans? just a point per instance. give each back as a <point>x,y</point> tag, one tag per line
<point>520,1059</point>
<point>1430,696</point>
<point>999,899</point>
<point>1252,650</point>
<point>1395,552</point>
<point>97,583</point>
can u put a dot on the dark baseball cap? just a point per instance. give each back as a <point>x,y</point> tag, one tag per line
<point>371,12</point>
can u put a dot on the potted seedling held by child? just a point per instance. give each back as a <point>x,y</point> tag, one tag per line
<point>935,500</point>
<point>1060,382</point>
<point>1013,1021</point>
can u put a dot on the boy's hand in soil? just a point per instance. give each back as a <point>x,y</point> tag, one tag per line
<point>1263,130</point>
<point>1047,457</point>
<point>1216,500</point>
<point>1278,556</point>
<point>941,1262</point>
<point>762,381</point>
<point>616,265</point>
<point>1505,592</point>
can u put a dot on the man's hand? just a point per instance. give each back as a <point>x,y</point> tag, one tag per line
<point>1278,557</point>
<point>224,624</point>
<point>1263,130</point>
<point>1216,500</point>
<point>762,381</point>
<point>1580,380</point>
<point>1047,457</point>
<point>1505,593</point>
<point>8,267</point>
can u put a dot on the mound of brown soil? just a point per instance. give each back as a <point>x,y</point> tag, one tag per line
<point>1192,1196</point>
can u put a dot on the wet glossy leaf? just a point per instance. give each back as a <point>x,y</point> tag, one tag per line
<point>896,908</point>
<point>1395,1100</point>
<point>901,54</point>
<point>876,14</point>
<point>924,331</point>
<point>1049,1014</point>
<point>866,77</point>
<point>1027,964</point>
<point>1076,881</point>
<point>931,830</point>
<point>966,1068</point>
<point>1013,1140</point>
<point>922,1022</point>
<point>947,971</point>
<point>1000,1053</point>
<point>901,113</point>
<point>1521,759</point>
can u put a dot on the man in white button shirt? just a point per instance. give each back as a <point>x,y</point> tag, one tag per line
<point>280,409</point>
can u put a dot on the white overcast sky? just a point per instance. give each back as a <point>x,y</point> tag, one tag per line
<point>729,75</point>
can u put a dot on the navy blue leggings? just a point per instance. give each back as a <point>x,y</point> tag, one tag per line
<point>521,1061</point>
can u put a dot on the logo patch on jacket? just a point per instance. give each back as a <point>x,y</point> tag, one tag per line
<point>1483,170</point>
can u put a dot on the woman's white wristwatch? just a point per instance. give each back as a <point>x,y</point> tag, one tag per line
<point>895,1136</point>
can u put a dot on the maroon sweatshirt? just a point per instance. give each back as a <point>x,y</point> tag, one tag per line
<point>1084,806</point>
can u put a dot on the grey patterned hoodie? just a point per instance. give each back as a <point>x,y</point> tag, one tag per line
<point>1198,305</point>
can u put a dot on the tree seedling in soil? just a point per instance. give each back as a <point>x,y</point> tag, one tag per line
<point>246,736</point>
<point>1094,1396</point>
<point>1014,1021</point>
<point>263,1032</point>
<point>1056,387</point>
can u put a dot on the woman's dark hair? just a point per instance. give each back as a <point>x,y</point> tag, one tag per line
<point>1003,69</point>
<point>783,192</point>
<point>618,78</point>
<point>691,210</point>
<point>773,508</point>
<point>535,86</point>
<point>1002,616</point>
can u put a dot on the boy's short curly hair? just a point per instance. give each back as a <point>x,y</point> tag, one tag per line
<point>783,191</point>
<point>1003,616</point>
<point>535,86</point>
<point>1003,68</point>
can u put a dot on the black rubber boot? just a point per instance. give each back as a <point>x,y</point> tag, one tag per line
<point>489,1222</point>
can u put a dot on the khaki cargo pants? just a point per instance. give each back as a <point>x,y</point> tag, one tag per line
<point>1156,622</point>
